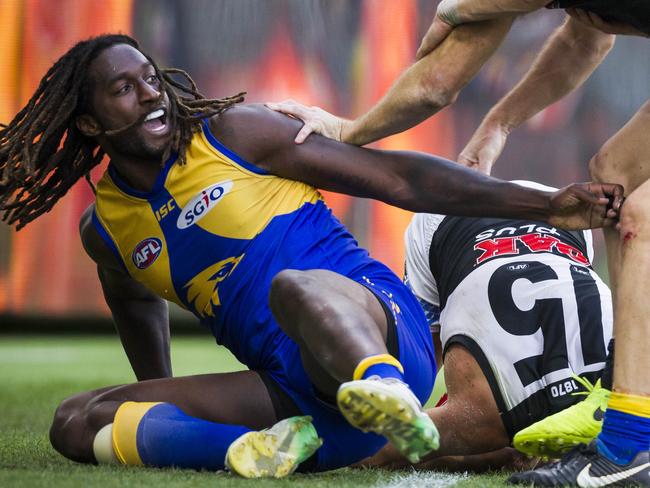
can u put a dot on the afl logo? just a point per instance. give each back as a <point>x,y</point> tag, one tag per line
<point>146,252</point>
<point>201,204</point>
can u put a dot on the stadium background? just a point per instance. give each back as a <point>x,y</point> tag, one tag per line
<point>339,54</point>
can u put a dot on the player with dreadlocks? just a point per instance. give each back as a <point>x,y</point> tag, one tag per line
<point>32,178</point>
<point>240,236</point>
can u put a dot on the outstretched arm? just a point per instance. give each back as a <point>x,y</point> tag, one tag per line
<point>413,181</point>
<point>424,89</point>
<point>140,316</point>
<point>566,61</point>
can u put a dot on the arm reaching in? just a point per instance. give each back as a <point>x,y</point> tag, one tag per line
<point>451,13</point>
<point>424,89</point>
<point>140,316</point>
<point>566,61</point>
<point>413,181</point>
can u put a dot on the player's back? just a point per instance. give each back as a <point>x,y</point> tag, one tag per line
<point>522,298</point>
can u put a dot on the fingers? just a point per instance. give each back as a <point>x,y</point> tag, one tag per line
<point>298,111</point>
<point>437,33</point>
<point>303,133</point>
<point>613,192</point>
<point>289,107</point>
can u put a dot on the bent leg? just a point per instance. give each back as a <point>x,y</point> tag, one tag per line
<point>623,159</point>
<point>341,329</point>
<point>240,399</point>
<point>335,321</point>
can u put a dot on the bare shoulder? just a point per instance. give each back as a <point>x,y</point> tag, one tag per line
<point>253,130</point>
<point>93,243</point>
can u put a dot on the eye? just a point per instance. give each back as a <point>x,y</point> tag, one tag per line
<point>152,79</point>
<point>123,89</point>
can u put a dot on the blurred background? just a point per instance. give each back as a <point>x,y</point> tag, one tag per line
<point>339,54</point>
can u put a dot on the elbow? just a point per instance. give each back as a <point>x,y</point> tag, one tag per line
<point>437,92</point>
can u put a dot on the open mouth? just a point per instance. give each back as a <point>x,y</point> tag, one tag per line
<point>156,121</point>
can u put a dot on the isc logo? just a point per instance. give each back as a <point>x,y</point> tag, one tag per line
<point>146,252</point>
<point>201,204</point>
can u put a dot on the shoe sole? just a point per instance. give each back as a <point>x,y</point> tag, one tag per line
<point>371,408</point>
<point>261,455</point>
<point>548,447</point>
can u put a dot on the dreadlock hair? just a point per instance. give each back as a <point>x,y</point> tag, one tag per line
<point>43,153</point>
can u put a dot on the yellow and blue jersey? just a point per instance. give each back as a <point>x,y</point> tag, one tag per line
<point>211,235</point>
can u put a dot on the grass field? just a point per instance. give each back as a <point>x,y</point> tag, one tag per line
<point>36,373</point>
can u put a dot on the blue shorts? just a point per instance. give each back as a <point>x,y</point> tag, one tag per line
<point>409,334</point>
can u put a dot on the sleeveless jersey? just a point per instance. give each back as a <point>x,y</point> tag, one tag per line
<point>522,298</point>
<point>633,12</point>
<point>213,232</point>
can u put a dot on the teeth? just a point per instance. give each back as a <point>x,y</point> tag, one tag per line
<point>154,115</point>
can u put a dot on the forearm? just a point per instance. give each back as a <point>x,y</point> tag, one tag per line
<point>455,12</point>
<point>452,189</point>
<point>144,333</point>
<point>565,62</point>
<point>430,84</point>
<point>413,181</point>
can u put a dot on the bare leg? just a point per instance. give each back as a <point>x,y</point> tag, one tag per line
<point>632,360</point>
<point>469,423</point>
<point>625,159</point>
<point>335,321</point>
<point>230,398</point>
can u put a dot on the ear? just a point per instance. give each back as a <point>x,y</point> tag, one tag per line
<point>88,125</point>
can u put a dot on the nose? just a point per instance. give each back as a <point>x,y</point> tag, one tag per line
<point>148,92</point>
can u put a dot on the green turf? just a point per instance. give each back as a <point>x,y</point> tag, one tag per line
<point>36,373</point>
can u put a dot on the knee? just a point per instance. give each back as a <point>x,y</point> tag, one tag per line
<point>70,428</point>
<point>291,287</point>
<point>601,170</point>
<point>297,297</point>
<point>635,214</point>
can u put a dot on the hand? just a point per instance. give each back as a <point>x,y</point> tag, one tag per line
<point>484,148</point>
<point>388,458</point>
<point>586,205</point>
<point>315,120</point>
<point>437,33</point>
<point>609,27</point>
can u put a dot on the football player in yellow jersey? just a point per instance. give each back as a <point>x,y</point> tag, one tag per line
<point>215,207</point>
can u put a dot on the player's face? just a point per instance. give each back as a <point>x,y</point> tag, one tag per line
<point>127,94</point>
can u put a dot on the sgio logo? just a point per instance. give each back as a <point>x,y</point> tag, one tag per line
<point>201,204</point>
<point>146,252</point>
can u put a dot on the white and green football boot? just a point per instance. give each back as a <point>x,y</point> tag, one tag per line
<point>387,406</point>
<point>274,452</point>
<point>578,424</point>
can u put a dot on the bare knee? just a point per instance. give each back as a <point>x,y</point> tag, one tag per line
<point>602,170</point>
<point>635,215</point>
<point>71,433</point>
<point>291,290</point>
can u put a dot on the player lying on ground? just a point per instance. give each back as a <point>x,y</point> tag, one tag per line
<point>524,323</point>
<point>213,207</point>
